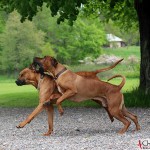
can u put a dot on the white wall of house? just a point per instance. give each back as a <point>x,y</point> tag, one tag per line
<point>114,41</point>
<point>115,44</point>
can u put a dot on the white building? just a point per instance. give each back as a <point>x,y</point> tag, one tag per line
<point>114,41</point>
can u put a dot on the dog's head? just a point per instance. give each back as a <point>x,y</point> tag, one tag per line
<point>45,64</point>
<point>26,76</point>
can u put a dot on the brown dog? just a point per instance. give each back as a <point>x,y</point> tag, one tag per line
<point>47,87</point>
<point>78,88</point>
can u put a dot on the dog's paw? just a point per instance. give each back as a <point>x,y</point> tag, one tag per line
<point>112,119</point>
<point>138,128</point>
<point>21,125</point>
<point>61,113</point>
<point>48,133</point>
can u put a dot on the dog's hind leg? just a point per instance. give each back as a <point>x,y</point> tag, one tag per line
<point>132,116</point>
<point>106,108</point>
<point>50,112</point>
<point>119,116</point>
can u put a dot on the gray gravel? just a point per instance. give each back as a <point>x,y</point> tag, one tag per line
<point>78,129</point>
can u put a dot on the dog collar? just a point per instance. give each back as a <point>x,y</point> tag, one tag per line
<point>39,83</point>
<point>59,73</point>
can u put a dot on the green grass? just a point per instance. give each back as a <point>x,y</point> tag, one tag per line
<point>136,98</point>
<point>6,79</point>
<point>24,99</point>
<point>129,71</point>
<point>12,95</point>
<point>125,68</point>
<point>123,52</point>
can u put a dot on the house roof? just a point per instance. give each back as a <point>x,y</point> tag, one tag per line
<point>113,38</point>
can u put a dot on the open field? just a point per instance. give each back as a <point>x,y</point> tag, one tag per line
<point>126,68</point>
<point>123,52</point>
<point>12,95</point>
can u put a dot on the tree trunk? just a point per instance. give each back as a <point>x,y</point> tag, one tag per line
<point>143,11</point>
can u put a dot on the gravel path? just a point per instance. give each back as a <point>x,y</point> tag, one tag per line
<point>78,129</point>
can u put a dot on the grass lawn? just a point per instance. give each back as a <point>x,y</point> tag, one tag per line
<point>125,68</point>
<point>123,52</point>
<point>12,95</point>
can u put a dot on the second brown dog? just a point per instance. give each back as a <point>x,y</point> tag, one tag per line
<point>78,88</point>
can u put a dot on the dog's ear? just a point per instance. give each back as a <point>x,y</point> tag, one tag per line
<point>54,62</point>
<point>31,67</point>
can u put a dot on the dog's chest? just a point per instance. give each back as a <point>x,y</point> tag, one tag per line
<point>60,89</point>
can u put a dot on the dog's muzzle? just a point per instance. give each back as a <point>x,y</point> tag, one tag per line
<point>20,82</point>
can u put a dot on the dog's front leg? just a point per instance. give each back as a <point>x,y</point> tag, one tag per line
<point>38,109</point>
<point>65,95</point>
<point>50,112</point>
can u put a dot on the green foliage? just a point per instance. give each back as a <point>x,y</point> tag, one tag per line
<point>85,38</point>
<point>2,27</point>
<point>2,22</point>
<point>120,11</point>
<point>70,44</point>
<point>47,50</point>
<point>20,43</point>
<point>67,9</point>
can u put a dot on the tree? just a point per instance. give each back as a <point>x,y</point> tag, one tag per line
<point>20,43</point>
<point>47,50</point>
<point>127,12</point>
<point>71,44</point>
<point>2,22</point>
<point>143,11</point>
<point>88,37</point>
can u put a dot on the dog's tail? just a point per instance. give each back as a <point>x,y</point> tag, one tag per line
<point>108,68</point>
<point>123,80</point>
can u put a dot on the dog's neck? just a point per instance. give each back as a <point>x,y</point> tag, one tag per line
<point>39,78</point>
<point>36,80</point>
<point>59,68</point>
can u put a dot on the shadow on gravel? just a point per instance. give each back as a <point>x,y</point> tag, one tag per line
<point>82,132</point>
